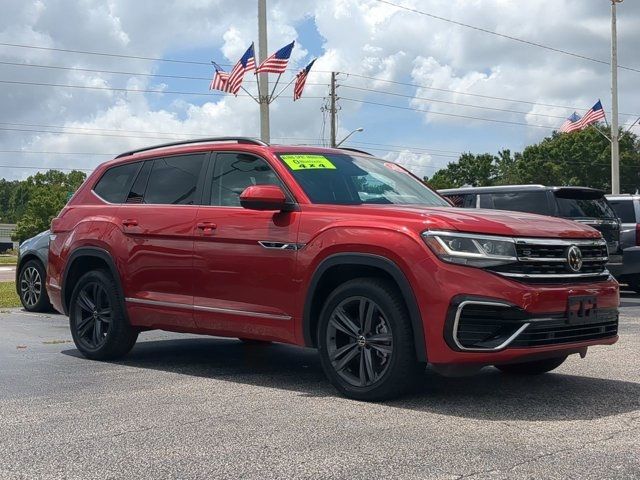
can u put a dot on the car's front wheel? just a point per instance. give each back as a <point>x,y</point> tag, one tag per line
<point>366,341</point>
<point>99,326</point>
<point>536,367</point>
<point>32,292</point>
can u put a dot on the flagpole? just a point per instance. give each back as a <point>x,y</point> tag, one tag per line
<point>263,78</point>
<point>254,98</point>
<point>615,146</point>
<point>274,88</point>
<point>284,88</point>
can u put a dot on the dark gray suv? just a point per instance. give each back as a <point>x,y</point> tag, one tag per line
<point>581,204</point>
<point>31,273</point>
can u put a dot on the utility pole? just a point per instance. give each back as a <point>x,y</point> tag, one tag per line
<point>263,78</point>
<point>332,109</point>
<point>615,146</point>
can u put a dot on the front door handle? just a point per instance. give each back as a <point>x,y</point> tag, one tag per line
<point>130,222</point>
<point>206,227</point>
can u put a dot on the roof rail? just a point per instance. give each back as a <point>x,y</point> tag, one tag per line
<point>242,140</point>
<point>357,150</point>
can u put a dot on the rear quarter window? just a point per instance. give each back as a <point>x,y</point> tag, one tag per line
<point>624,210</point>
<point>529,202</point>
<point>115,183</point>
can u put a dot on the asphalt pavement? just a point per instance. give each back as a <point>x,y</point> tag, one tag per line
<point>183,406</point>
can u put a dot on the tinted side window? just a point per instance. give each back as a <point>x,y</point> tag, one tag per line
<point>531,202</point>
<point>174,180</point>
<point>236,171</point>
<point>115,182</point>
<point>136,195</point>
<point>624,209</point>
<point>584,208</point>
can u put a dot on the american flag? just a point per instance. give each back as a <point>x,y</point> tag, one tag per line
<point>277,63</point>
<point>246,63</point>
<point>301,79</point>
<point>220,79</point>
<point>571,124</point>
<point>574,122</point>
<point>592,116</point>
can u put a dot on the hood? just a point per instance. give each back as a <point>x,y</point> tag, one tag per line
<point>499,222</point>
<point>502,222</point>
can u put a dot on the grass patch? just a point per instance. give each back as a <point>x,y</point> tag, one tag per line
<point>8,259</point>
<point>8,296</point>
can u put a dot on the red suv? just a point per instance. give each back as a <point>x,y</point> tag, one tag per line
<point>326,248</point>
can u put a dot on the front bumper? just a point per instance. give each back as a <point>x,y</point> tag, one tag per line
<point>542,307</point>
<point>484,325</point>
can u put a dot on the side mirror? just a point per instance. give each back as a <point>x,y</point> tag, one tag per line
<point>263,197</point>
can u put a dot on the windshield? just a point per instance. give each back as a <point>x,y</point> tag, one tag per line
<point>341,179</point>
<point>584,208</point>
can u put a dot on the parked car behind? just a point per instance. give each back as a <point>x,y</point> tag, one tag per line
<point>627,207</point>
<point>325,248</point>
<point>31,273</point>
<point>581,204</point>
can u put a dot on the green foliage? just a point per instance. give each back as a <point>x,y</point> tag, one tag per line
<point>8,296</point>
<point>32,203</point>
<point>580,158</point>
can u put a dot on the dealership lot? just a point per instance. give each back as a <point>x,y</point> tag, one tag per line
<point>182,406</point>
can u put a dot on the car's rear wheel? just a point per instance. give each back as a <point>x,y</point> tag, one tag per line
<point>366,342</point>
<point>31,281</point>
<point>536,367</point>
<point>99,326</point>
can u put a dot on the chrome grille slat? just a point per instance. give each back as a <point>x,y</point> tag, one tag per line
<point>545,259</point>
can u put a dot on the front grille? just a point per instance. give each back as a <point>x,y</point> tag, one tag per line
<point>547,261</point>
<point>481,325</point>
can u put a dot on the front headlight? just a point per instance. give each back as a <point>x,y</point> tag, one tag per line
<point>470,249</point>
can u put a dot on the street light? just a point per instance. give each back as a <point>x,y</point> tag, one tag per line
<point>351,133</point>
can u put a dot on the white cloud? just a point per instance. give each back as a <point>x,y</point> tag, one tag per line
<point>362,37</point>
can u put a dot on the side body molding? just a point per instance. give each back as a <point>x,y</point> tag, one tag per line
<point>368,260</point>
<point>93,252</point>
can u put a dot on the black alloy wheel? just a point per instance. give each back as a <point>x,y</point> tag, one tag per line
<point>359,341</point>
<point>93,315</point>
<point>97,318</point>
<point>365,339</point>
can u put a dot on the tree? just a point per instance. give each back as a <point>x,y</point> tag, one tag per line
<point>38,199</point>
<point>579,158</point>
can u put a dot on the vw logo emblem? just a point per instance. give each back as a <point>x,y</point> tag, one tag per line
<point>574,258</point>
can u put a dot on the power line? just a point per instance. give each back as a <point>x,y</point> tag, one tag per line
<point>458,92</point>
<point>120,72</point>
<point>32,167</point>
<point>455,115</point>
<point>508,37</point>
<point>120,55</point>
<point>128,90</point>
<point>172,60</point>
<point>452,103</point>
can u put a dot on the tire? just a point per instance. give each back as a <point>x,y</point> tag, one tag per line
<point>537,367</point>
<point>31,287</point>
<point>97,319</point>
<point>357,365</point>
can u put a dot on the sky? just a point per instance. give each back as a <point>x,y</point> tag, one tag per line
<point>423,89</point>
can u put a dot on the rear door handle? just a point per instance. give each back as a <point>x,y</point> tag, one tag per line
<point>130,222</point>
<point>206,227</point>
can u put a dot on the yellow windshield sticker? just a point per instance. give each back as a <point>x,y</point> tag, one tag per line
<point>308,162</point>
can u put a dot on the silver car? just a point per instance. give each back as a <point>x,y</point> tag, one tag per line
<point>627,208</point>
<point>31,273</point>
